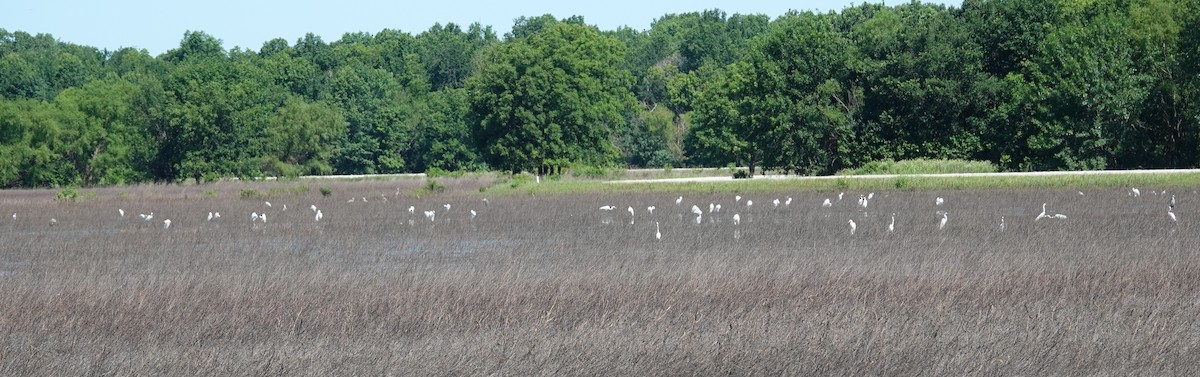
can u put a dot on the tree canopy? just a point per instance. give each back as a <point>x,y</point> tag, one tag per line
<point>1027,85</point>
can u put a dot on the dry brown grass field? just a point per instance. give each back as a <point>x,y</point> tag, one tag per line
<point>551,285</point>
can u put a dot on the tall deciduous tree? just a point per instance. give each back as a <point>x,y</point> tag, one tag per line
<point>550,99</point>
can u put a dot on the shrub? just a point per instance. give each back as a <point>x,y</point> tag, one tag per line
<point>67,194</point>
<point>326,192</point>
<point>921,166</point>
<point>741,174</point>
<point>250,194</point>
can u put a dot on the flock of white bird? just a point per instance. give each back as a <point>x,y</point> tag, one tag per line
<point>863,203</point>
<point>713,212</point>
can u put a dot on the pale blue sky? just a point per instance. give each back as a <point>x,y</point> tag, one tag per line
<point>158,25</point>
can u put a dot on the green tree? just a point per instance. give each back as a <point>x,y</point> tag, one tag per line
<point>103,135</point>
<point>302,138</point>
<point>549,99</point>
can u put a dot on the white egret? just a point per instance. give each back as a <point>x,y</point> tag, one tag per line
<point>285,207</point>
<point>351,200</point>
<point>939,201</point>
<point>1041,215</point>
<point>1135,192</point>
<point>775,203</point>
<point>216,215</point>
<point>473,214</point>
<point>1172,199</point>
<point>711,206</point>
<point>267,203</point>
<point>942,224</point>
<point>651,210</point>
<point>150,216</point>
<point>840,194</point>
<point>1080,193</point>
<point>696,210</point>
<point>313,208</point>
<point>737,198</point>
<point>788,202</point>
<point>446,206</point>
<point>826,203</point>
<point>121,211</point>
<point>749,203</point>
<point>631,215</point>
<point>1060,216</point>
<point>486,203</point>
<point>53,221</point>
<point>699,219</point>
<point>608,208</point>
<point>853,226</point>
<point>892,225</point>
<point>737,219</point>
<point>679,200</point>
<point>318,216</point>
<point>210,216</point>
<point>1001,224</point>
<point>263,217</point>
<point>657,232</point>
<point>253,216</point>
<point>364,199</point>
<point>863,201</point>
<point>412,210</point>
<point>1171,212</point>
<point>167,224</point>
<point>718,208</point>
<point>871,196</point>
<point>430,215</point>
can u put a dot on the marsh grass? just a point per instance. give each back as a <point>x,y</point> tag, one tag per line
<point>549,285</point>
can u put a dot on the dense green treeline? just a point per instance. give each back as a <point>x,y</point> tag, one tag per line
<point>1025,84</point>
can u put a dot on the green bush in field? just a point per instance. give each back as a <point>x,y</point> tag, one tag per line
<point>921,166</point>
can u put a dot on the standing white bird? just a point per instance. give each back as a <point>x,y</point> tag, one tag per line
<point>253,216</point>
<point>826,203</point>
<point>210,216</point>
<point>737,219</point>
<point>749,203</point>
<point>1171,213</point>
<point>630,215</point>
<point>216,215</point>
<point>840,194</point>
<point>53,221</point>
<point>737,198</point>
<point>1135,192</point>
<point>318,216</point>
<point>446,206</point>
<point>1002,224</point>
<point>267,203</point>
<point>430,215</point>
<point>1041,215</point>
<point>1060,216</point>
<point>167,224</point>
<point>788,202</point>
<point>775,202</point>
<point>718,208</point>
<point>1172,199</point>
<point>148,217</point>
<point>486,203</point>
<point>711,206</point>
<point>651,210</point>
<point>121,211</point>
<point>351,200</point>
<point>871,196</point>
<point>285,207</point>
<point>608,208</point>
<point>412,210</point>
<point>657,232</point>
<point>853,226</point>
<point>263,217</point>
<point>942,224</point>
<point>892,225</point>
<point>939,201</point>
<point>473,214</point>
<point>679,200</point>
<point>313,207</point>
<point>696,210</point>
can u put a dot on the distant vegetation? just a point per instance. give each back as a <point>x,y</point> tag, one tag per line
<point>921,166</point>
<point>1022,84</point>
